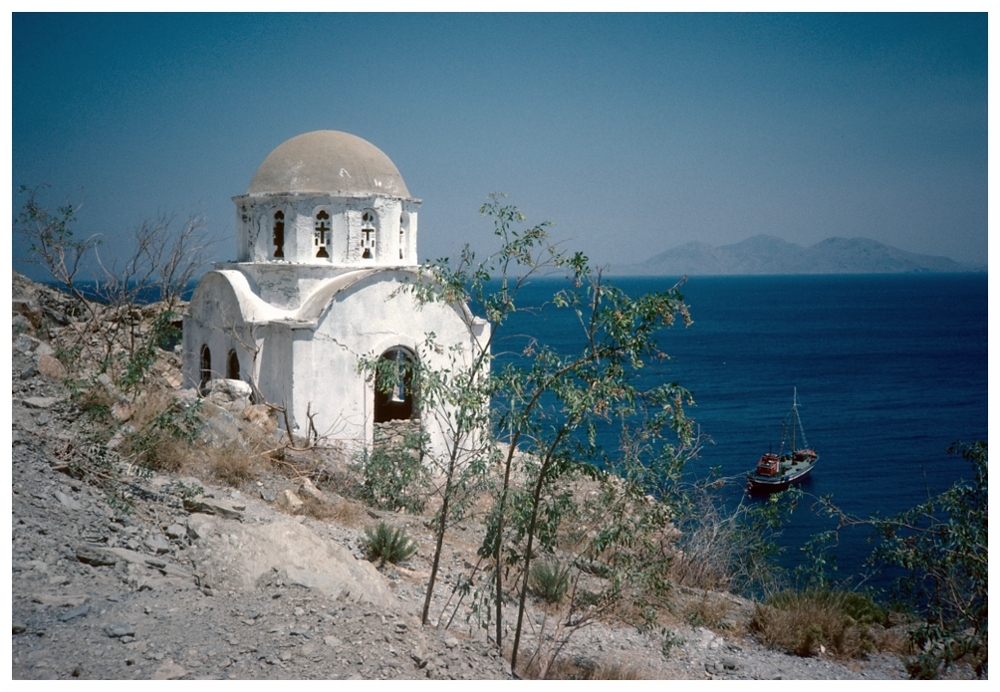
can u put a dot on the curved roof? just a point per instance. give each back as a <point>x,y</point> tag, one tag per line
<point>328,162</point>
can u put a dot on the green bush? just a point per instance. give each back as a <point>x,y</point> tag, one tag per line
<point>387,544</point>
<point>669,640</point>
<point>394,477</point>
<point>549,581</point>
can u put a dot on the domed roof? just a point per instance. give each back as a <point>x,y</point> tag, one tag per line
<point>330,162</point>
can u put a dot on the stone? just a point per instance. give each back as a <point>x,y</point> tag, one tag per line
<point>168,670</point>
<point>96,555</point>
<point>40,402</point>
<point>239,556</point>
<point>74,613</point>
<point>224,391</point>
<point>25,344</point>
<point>59,600</point>
<point>67,501</point>
<point>226,509</point>
<point>175,531</point>
<point>307,488</point>
<point>218,426</point>
<point>50,367</point>
<point>28,373</point>
<point>158,544</point>
<point>289,501</point>
<point>119,629</point>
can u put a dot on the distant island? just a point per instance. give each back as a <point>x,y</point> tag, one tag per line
<point>764,254</point>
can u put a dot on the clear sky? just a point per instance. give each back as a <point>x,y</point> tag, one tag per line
<point>631,133</point>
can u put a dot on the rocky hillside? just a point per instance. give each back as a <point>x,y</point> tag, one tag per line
<point>178,574</point>
<point>764,254</point>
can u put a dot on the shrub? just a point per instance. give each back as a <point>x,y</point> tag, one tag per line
<point>394,477</point>
<point>801,621</point>
<point>669,640</point>
<point>942,545</point>
<point>387,544</point>
<point>160,440</point>
<point>233,465</point>
<point>549,581</point>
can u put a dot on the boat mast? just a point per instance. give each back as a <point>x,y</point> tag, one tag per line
<point>795,414</point>
<point>797,422</point>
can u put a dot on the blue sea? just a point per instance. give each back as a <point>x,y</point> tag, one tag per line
<point>890,370</point>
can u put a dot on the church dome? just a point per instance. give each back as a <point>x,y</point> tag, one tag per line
<point>328,162</point>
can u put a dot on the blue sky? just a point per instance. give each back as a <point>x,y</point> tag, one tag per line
<point>631,133</point>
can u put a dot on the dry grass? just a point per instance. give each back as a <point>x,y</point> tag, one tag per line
<point>844,624</point>
<point>585,669</point>
<point>616,671</point>
<point>349,513</point>
<point>708,610</point>
<point>234,466</point>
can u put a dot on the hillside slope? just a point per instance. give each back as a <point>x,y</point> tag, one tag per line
<point>763,254</point>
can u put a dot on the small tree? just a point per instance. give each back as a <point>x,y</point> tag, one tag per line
<point>542,415</point>
<point>942,544</point>
<point>159,267</point>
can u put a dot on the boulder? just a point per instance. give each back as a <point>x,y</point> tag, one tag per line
<point>238,556</point>
<point>289,501</point>
<point>225,391</point>
<point>50,367</point>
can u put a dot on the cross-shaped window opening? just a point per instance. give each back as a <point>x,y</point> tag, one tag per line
<point>279,234</point>
<point>321,237</point>
<point>368,235</point>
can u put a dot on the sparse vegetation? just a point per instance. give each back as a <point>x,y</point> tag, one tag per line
<point>589,543</point>
<point>388,544</point>
<point>394,477</point>
<point>942,544</point>
<point>669,641</point>
<point>800,622</point>
<point>549,580</point>
<point>543,413</point>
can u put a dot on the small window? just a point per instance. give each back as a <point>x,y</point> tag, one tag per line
<point>233,366</point>
<point>321,237</point>
<point>368,235</point>
<point>402,235</point>
<point>205,366</point>
<point>279,233</point>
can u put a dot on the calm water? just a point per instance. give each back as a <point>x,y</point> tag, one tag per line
<point>890,371</point>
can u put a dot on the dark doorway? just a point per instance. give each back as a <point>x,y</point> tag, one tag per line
<point>394,397</point>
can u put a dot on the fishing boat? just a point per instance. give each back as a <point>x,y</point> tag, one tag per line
<point>777,471</point>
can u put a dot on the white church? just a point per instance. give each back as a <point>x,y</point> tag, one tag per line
<point>326,235</point>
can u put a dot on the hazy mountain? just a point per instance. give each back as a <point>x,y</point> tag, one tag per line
<point>763,254</point>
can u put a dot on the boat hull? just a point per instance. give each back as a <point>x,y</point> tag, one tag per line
<point>794,473</point>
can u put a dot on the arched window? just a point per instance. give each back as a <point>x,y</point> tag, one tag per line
<point>368,234</point>
<point>321,236</point>
<point>279,233</point>
<point>205,366</point>
<point>394,396</point>
<point>233,366</point>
